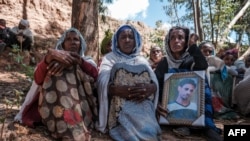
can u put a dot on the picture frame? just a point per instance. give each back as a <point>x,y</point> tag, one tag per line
<point>177,91</point>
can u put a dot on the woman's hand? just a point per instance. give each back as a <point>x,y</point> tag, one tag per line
<point>55,67</point>
<point>161,111</point>
<point>137,93</point>
<point>59,55</point>
<point>77,58</point>
<point>141,91</point>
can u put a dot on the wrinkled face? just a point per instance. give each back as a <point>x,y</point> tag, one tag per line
<point>72,42</point>
<point>156,54</point>
<point>126,41</point>
<point>186,91</point>
<point>177,42</point>
<point>207,50</point>
<point>229,60</point>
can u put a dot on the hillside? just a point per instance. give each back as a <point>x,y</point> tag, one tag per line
<point>48,19</point>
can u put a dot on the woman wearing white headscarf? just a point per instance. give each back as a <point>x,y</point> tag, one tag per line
<point>62,95</point>
<point>220,78</point>
<point>127,90</point>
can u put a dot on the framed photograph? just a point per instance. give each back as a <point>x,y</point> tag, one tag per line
<point>184,98</point>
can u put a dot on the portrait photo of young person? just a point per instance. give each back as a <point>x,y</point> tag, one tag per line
<point>183,99</point>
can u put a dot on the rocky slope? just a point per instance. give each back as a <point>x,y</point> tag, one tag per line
<point>49,18</point>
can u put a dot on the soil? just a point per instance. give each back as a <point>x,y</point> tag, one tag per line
<point>14,85</point>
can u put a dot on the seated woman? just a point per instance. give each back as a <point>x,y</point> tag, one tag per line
<point>221,83</point>
<point>105,45</point>
<point>180,57</point>
<point>127,90</point>
<point>229,57</point>
<point>241,94</point>
<point>155,56</point>
<point>66,105</point>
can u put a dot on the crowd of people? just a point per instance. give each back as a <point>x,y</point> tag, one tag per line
<point>121,95</point>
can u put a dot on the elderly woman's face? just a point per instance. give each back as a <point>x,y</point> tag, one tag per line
<point>72,42</point>
<point>156,54</point>
<point>177,41</point>
<point>126,41</point>
<point>207,50</point>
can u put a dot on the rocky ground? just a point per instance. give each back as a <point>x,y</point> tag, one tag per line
<point>14,85</point>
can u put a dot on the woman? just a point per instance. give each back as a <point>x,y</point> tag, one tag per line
<point>220,79</point>
<point>155,56</point>
<point>127,90</point>
<point>181,57</point>
<point>241,94</point>
<point>66,103</point>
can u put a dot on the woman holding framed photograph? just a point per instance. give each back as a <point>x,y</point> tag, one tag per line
<point>180,57</point>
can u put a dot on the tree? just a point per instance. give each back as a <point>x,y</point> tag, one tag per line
<point>239,14</point>
<point>84,18</point>
<point>85,15</point>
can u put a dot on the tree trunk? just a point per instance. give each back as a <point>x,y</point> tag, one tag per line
<point>85,19</point>
<point>199,23</point>
<point>241,12</point>
<point>195,17</point>
<point>211,21</point>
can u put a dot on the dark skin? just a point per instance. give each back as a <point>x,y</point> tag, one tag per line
<point>139,92</point>
<point>61,59</point>
<point>177,46</point>
<point>177,42</point>
<point>156,56</point>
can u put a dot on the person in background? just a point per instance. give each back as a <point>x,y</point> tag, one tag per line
<point>194,38</point>
<point>247,61</point>
<point>220,81</point>
<point>214,63</point>
<point>106,45</point>
<point>23,36</point>
<point>155,56</point>
<point>127,90</point>
<point>229,57</point>
<point>62,97</point>
<point>242,64</point>
<point>5,35</point>
<point>241,94</point>
<point>180,57</point>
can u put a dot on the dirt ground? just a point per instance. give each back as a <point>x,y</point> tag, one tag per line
<point>14,83</point>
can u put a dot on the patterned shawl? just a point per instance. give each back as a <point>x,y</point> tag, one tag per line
<point>116,56</point>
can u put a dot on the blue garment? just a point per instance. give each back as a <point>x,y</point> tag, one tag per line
<point>127,120</point>
<point>136,123</point>
<point>130,120</point>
